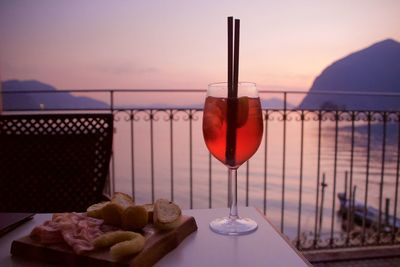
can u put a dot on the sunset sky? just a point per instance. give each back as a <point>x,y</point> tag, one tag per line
<point>182,44</point>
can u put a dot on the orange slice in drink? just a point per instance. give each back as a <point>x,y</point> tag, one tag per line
<point>242,111</point>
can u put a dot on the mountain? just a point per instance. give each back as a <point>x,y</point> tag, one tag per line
<point>373,69</point>
<point>275,103</point>
<point>50,100</point>
<point>54,99</point>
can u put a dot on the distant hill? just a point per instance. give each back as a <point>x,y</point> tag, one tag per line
<point>37,101</point>
<point>60,100</point>
<point>373,69</point>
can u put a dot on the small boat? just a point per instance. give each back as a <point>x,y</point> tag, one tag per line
<point>370,214</point>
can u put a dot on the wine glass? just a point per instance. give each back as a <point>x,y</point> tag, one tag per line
<point>232,130</point>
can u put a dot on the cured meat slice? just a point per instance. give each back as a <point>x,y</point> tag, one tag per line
<point>47,233</point>
<point>77,230</point>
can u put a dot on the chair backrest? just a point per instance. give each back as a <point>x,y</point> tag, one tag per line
<point>53,162</point>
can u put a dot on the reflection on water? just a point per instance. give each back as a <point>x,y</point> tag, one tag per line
<point>190,171</point>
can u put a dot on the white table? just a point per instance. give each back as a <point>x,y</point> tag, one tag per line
<point>264,247</point>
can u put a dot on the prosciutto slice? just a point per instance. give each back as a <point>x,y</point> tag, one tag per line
<point>77,230</point>
<point>47,233</point>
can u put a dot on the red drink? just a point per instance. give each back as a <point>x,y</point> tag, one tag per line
<point>248,126</point>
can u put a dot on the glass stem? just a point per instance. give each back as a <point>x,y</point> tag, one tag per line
<point>232,193</point>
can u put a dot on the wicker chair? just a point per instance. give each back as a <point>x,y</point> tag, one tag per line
<point>53,162</point>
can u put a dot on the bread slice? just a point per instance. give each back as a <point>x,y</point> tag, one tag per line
<point>166,214</point>
<point>112,213</point>
<point>134,218</point>
<point>122,199</point>
<point>150,211</point>
<point>95,210</point>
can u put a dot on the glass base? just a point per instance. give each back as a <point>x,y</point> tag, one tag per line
<point>230,226</point>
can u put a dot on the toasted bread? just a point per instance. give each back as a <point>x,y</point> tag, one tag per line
<point>166,214</point>
<point>150,211</point>
<point>95,210</point>
<point>112,213</point>
<point>134,218</point>
<point>122,199</point>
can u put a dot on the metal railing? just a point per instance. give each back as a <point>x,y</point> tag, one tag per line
<point>325,178</point>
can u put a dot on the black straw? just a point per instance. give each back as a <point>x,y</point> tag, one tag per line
<point>236,59</point>
<point>233,74</point>
<point>230,58</point>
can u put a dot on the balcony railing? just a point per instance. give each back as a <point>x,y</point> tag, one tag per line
<point>327,178</point>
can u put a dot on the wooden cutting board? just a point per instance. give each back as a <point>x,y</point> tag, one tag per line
<point>158,243</point>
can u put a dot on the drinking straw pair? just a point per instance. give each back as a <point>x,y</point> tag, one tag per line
<point>233,74</point>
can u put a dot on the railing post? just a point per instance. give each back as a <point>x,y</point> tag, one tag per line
<point>337,117</point>
<point>191,112</point>
<point>369,119</point>
<point>112,191</point>
<point>318,178</point>
<point>382,175</point>
<point>302,117</point>
<point>171,140</point>
<point>132,119</point>
<point>151,117</point>
<point>265,161</point>
<point>321,211</point>
<point>283,163</point>
<point>353,117</point>
<point>397,180</point>
<point>387,208</point>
